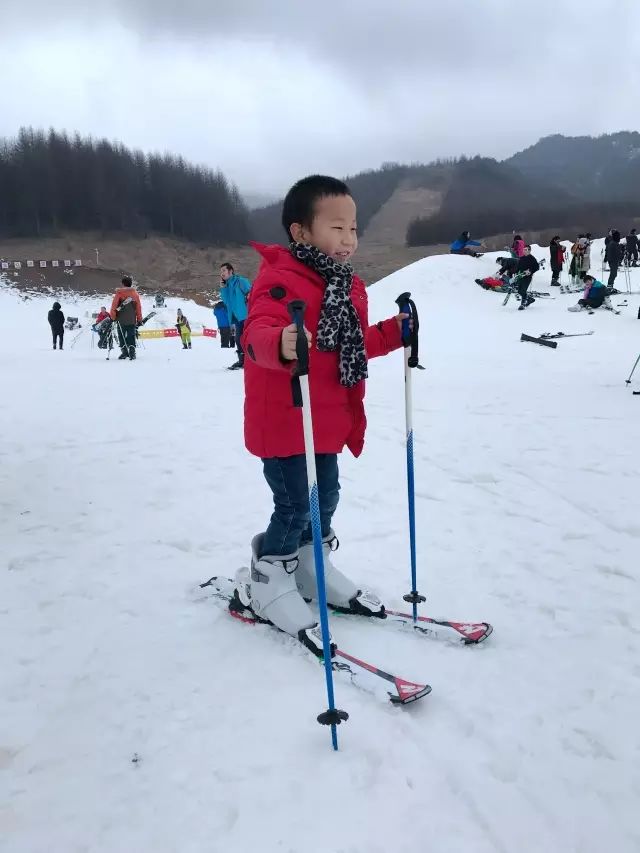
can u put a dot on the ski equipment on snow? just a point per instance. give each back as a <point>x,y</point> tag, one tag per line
<point>358,672</point>
<point>301,399</point>
<point>550,335</point>
<point>545,342</point>
<point>465,633</point>
<point>633,370</point>
<point>410,329</point>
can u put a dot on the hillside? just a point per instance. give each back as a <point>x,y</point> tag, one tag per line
<point>559,184</point>
<point>601,169</point>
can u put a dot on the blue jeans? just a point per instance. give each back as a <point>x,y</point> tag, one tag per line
<point>290,524</point>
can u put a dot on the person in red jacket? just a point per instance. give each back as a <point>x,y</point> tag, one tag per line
<point>126,312</point>
<point>319,216</point>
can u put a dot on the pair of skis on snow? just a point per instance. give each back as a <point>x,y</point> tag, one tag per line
<point>547,339</point>
<point>358,672</point>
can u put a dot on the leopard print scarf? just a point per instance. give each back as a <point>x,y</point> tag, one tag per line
<point>339,325</point>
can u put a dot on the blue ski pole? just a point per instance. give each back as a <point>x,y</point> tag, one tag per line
<point>410,329</point>
<point>301,399</point>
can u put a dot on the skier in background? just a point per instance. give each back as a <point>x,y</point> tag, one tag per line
<point>184,329</point>
<point>234,293</point>
<point>464,245</point>
<point>595,294</point>
<point>517,247</point>
<point>319,217</point>
<point>224,327</point>
<point>528,266</point>
<point>580,259</point>
<point>632,248</point>
<point>126,312</point>
<point>56,321</point>
<point>613,256</point>
<point>556,256</point>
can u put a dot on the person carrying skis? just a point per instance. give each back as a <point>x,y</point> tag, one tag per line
<point>319,217</point>
<point>528,266</point>
<point>595,294</point>
<point>234,293</point>
<point>126,312</point>
<point>224,327</point>
<point>184,329</point>
<point>613,257</point>
<point>464,245</point>
<point>56,321</point>
<point>556,257</point>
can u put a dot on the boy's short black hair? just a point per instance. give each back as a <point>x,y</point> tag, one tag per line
<point>227,266</point>
<point>299,202</point>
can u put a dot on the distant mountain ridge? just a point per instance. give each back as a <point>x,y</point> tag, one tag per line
<point>558,182</point>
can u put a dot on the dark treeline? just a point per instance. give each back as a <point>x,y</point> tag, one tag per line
<point>583,217</point>
<point>51,182</point>
<point>487,197</point>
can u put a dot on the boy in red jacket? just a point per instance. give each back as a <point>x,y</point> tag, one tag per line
<point>319,217</point>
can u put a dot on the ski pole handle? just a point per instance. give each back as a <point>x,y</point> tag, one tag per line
<point>296,310</point>
<point>410,326</point>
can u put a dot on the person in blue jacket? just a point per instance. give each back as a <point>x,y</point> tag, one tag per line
<point>464,245</point>
<point>234,293</point>
<point>224,326</point>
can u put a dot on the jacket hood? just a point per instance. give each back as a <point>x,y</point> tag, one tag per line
<point>56,306</point>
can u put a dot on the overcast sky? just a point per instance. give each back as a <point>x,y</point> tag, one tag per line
<point>270,90</point>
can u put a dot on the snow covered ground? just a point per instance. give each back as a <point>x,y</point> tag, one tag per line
<point>137,718</point>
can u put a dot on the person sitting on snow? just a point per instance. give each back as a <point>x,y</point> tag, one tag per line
<point>595,295</point>
<point>464,245</point>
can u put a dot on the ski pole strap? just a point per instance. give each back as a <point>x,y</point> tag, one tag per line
<point>409,335</point>
<point>296,312</point>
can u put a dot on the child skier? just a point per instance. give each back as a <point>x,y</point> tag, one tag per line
<point>56,321</point>
<point>595,295</point>
<point>224,327</point>
<point>183,327</point>
<point>319,217</point>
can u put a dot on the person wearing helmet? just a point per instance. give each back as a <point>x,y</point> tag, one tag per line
<point>126,313</point>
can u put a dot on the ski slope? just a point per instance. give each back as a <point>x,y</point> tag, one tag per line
<point>137,717</point>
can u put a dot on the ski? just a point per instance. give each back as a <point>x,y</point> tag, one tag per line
<point>360,673</point>
<point>466,633</point>
<point>545,342</point>
<point>549,335</point>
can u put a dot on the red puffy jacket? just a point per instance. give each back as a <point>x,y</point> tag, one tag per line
<point>272,426</point>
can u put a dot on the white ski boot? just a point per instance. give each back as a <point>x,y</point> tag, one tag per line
<point>576,307</point>
<point>269,591</point>
<point>342,594</point>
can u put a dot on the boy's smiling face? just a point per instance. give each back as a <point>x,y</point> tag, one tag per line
<point>333,229</point>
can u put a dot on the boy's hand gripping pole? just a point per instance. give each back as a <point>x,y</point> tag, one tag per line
<point>410,328</point>
<point>301,398</point>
